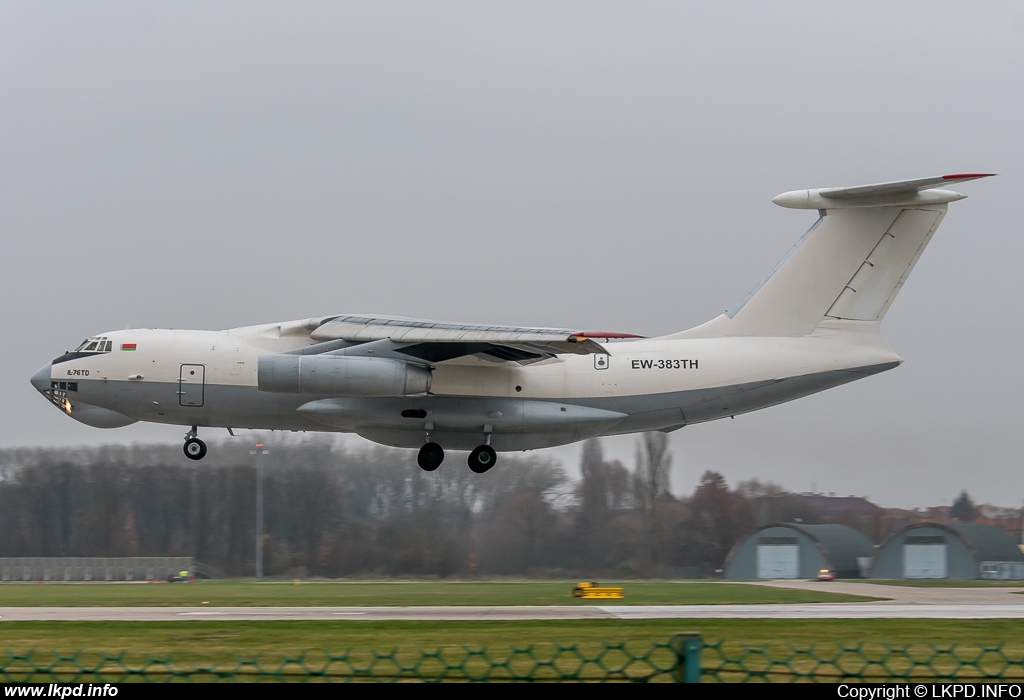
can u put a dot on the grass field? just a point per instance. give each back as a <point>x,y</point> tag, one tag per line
<point>638,646</point>
<point>391,593</point>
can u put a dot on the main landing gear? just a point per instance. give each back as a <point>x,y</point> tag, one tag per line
<point>481,459</point>
<point>194,448</point>
<point>430,457</point>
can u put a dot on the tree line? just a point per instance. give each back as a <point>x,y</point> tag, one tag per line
<point>332,510</point>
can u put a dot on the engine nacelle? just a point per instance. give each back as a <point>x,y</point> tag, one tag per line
<point>340,375</point>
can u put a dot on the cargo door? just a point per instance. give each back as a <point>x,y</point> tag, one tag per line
<point>191,385</point>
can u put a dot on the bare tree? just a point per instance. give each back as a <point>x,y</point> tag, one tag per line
<point>601,495</point>
<point>755,488</point>
<point>651,479</point>
<point>653,461</point>
<point>726,514</point>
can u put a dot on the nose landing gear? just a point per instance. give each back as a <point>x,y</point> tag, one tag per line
<point>194,448</point>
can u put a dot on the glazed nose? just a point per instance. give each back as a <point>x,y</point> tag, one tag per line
<point>41,379</point>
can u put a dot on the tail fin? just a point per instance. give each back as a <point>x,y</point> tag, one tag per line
<point>850,265</point>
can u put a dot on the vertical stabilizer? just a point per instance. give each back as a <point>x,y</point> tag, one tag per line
<point>850,265</point>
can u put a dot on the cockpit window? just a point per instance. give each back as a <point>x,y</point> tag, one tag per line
<point>89,348</point>
<point>100,344</point>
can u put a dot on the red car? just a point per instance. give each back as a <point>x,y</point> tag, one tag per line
<point>826,575</point>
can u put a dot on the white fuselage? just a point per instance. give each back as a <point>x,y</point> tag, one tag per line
<point>210,378</point>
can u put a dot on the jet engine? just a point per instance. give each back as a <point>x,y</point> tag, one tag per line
<point>341,375</point>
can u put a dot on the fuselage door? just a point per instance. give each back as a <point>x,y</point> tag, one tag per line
<point>191,382</point>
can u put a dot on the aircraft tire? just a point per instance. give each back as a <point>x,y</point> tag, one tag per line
<point>430,457</point>
<point>481,459</point>
<point>194,448</point>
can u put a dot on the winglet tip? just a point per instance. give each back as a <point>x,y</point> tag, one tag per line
<point>604,334</point>
<point>968,176</point>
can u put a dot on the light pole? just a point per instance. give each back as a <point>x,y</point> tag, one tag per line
<point>259,506</point>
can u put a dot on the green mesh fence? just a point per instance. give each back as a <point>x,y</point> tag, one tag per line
<point>728,661</point>
<point>534,662</point>
<point>685,658</point>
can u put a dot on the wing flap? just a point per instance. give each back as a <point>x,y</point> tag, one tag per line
<point>518,339</point>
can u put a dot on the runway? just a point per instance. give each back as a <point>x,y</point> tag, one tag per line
<point>901,602</point>
<point>493,613</point>
<point>910,595</point>
<point>454,612</point>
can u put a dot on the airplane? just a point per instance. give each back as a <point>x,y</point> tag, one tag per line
<point>812,324</point>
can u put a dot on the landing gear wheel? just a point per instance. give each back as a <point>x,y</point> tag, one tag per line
<point>430,457</point>
<point>481,459</point>
<point>195,448</point>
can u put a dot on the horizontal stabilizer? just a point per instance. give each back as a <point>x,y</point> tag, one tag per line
<point>923,190</point>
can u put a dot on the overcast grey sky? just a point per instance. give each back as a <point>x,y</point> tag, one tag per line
<point>584,164</point>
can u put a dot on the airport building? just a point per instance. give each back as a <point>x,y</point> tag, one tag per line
<point>794,550</point>
<point>954,551</point>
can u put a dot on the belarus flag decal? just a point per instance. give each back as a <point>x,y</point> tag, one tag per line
<point>127,346</point>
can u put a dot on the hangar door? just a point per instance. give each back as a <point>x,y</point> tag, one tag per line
<point>778,557</point>
<point>924,556</point>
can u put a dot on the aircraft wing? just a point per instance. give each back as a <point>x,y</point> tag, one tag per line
<point>436,341</point>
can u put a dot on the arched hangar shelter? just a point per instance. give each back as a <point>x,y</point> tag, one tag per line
<point>956,551</point>
<point>793,550</point>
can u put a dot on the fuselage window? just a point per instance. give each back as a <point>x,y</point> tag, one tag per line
<point>91,346</point>
<point>107,346</point>
<point>72,386</point>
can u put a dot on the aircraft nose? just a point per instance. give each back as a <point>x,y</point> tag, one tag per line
<point>41,379</point>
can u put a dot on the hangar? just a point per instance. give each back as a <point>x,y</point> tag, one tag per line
<point>93,568</point>
<point>955,551</point>
<point>795,550</point>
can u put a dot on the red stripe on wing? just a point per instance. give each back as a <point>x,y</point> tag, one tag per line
<point>604,334</point>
